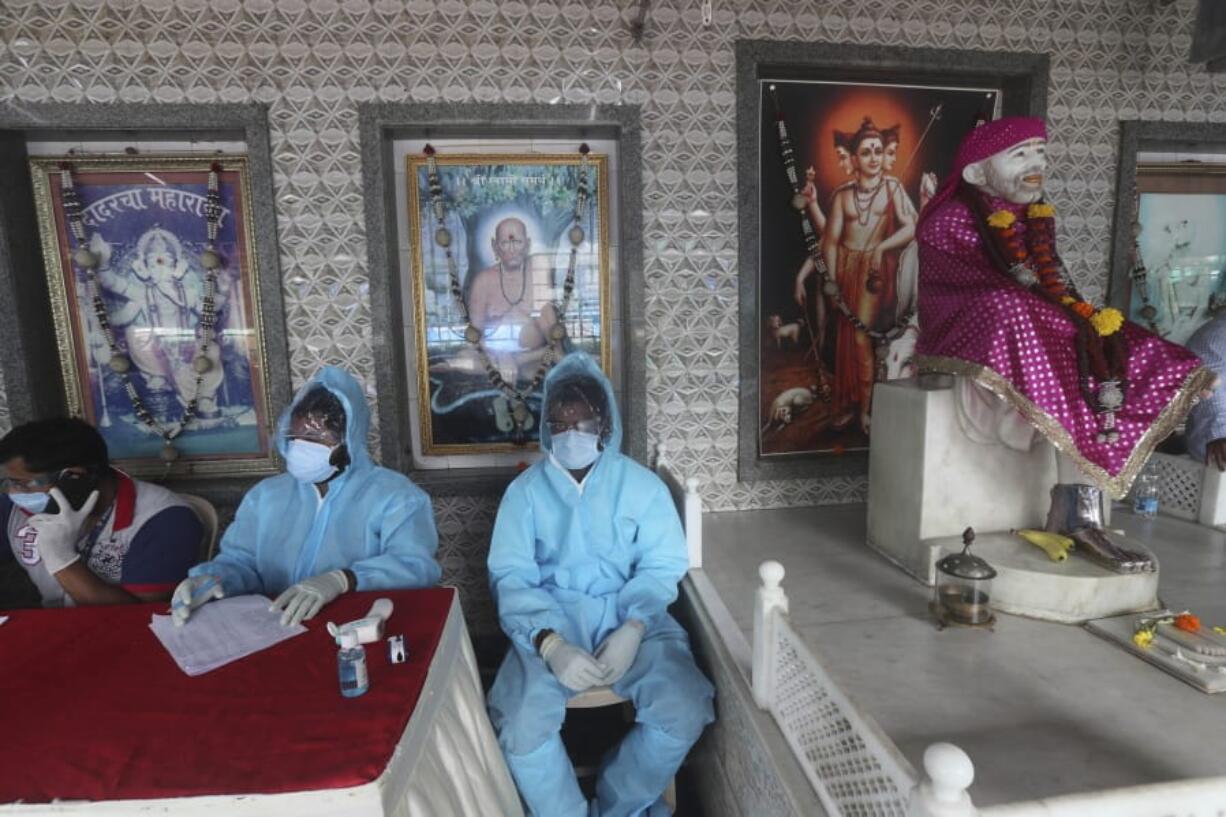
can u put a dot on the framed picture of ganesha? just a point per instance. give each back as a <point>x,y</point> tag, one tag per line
<point>146,257</point>
<point>837,264</point>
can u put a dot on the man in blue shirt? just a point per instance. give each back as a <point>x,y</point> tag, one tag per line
<point>1206,428</point>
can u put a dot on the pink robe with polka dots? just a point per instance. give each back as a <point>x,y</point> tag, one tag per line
<point>976,321</point>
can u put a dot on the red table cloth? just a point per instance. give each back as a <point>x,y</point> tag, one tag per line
<point>92,707</point>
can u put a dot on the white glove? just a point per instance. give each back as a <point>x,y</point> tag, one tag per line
<point>619,649</point>
<point>574,668</point>
<point>58,532</point>
<point>193,592</point>
<point>308,597</point>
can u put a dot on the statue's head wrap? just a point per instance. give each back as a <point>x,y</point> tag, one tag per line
<point>983,142</point>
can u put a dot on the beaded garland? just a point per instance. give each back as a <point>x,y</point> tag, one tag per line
<point>120,362</point>
<point>1139,274</point>
<point>520,413</point>
<point>829,286</point>
<point>1027,252</point>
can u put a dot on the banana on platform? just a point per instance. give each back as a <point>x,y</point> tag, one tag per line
<point>1053,544</point>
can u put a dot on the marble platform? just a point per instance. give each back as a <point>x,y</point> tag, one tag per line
<point>1042,708</point>
<point>928,480</point>
<point>1073,591</point>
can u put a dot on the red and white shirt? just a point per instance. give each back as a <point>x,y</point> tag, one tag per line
<point>148,539</point>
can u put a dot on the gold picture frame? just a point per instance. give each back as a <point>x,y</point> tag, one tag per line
<point>144,218</point>
<point>483,196</point>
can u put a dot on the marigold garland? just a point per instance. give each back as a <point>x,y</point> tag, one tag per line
<point>1026,251</point>
<point>1001,219</point>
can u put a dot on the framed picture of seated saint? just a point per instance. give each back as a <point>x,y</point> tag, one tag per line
<point>510,268</point>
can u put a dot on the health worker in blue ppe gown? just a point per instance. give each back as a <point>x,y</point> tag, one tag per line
<point>586,555</point>
<point>336,522</point>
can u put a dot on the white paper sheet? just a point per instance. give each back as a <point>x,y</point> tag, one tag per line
<point>222,631</point>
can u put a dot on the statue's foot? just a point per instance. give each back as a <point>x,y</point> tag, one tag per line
<point>1094,543</point>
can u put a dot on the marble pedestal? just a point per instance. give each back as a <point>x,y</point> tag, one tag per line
<point>1076,590</point>
<point>928,482</point>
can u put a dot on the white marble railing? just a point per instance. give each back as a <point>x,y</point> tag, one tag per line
<point>689,503</point>
<point>855,768</point>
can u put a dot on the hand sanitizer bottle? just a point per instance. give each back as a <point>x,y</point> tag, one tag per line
<point>351,664</point>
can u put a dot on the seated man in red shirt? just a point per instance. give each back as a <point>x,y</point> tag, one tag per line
<point>84,532</point>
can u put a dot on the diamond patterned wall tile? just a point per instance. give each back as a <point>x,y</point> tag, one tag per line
<point>313,61</point>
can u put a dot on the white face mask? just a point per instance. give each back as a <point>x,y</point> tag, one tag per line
<point>31,503</point>
<point>309,462</point>
<point>575,449</point>
<point>1015,174</point>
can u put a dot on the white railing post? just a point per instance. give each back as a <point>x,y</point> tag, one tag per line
<point>942,793</point>
<point>661,456</point>
<point>769,601</point>
<point>693,522</point>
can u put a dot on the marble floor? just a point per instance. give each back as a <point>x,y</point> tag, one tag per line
<point>1042,709</point>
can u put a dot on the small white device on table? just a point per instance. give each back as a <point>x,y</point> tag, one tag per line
<point>369,628</point>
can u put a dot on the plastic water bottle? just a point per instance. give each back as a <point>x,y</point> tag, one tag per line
<point>1145,494</point>
<point>351,664</point>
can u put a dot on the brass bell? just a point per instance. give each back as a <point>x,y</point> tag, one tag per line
<point>472,334</point>
<point>799,202</point>
<point>557,331</point>
<point>576,235</point>
<point>202,364</point>
<point>209,259</point>
<point>442,237</point>
<point>120,363</point>
<point>169,453</point>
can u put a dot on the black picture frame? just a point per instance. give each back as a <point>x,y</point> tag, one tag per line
<point>1021,78</point>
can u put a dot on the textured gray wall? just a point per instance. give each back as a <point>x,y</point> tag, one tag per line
<point>313,62</point>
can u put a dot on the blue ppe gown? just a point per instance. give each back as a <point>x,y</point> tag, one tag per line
<point>373,521</point>
<point>581,559</point>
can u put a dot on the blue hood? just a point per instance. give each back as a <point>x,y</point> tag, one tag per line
<point>357,415</point>
<point>574,364</point>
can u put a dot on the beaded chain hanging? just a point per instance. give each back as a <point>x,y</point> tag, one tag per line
<point>1139,274</point>
<point>829,286</point>
<point>120,363</point>
<point>521,416</point>
<point>1027,252</point>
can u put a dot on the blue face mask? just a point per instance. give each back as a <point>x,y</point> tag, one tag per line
<point>31,503</point>
<point>575,449</point>
<point>309,462</point>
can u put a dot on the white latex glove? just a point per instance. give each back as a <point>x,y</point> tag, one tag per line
<point>619,649</point>
<point>574,668</point>
<point>193,592</point>
<point>308,597</point>
<point>58,532</point>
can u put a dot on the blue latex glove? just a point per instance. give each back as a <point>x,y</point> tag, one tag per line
<point>193,592</point>
<point>620,648</point>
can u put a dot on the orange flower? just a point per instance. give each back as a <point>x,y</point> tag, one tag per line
<point>1188,622</point>
<point>1083,309</point>
<point>1040,210</point>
